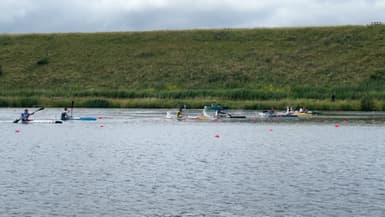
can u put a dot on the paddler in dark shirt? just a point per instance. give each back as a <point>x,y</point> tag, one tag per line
<point>25,115</point>
<point>65,115</point>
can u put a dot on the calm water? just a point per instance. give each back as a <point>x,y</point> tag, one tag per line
<point>136,163</point>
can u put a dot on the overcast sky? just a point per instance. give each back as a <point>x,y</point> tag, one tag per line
<point>35,16</point>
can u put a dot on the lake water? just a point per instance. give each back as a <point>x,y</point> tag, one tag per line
<point>137,163</point>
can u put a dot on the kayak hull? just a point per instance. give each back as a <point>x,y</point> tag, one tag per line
<point>41,122</point>
<point>191,118</point>
<point>83,119</point>
<point>277,115</point>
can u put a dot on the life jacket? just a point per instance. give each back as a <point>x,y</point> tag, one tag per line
<point>24,116</point>
<point>178,114</point>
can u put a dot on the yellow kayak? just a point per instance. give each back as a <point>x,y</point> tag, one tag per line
<point>303,114</point>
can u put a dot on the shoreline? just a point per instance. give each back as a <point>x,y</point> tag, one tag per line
<point>193,103</point>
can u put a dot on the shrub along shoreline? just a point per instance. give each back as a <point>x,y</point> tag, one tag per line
<point>194,103</point>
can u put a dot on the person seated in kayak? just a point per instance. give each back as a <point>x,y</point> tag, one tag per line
<point>301,110</point>
<point>179,113</point>
<point>220,113</point>
<point>25,115</point>
<point>65,115</point>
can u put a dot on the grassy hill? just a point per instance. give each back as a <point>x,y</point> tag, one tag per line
<point>245,68</point>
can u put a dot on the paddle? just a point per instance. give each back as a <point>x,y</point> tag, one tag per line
<point>17,120</point>
<point>72,107</point>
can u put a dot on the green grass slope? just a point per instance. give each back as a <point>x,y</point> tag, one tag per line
<point>247,65</point>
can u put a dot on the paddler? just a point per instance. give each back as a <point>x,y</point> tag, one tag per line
<point>65,115</point>
<point>179,113</point>
<point>25,115</point>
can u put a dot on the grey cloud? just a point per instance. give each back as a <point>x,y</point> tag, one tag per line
<point>138,15</point>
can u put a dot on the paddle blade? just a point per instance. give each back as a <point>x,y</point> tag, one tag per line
<point>15,121</point>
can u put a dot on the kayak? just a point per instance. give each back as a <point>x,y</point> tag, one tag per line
<point>41,122</point>
<point>303,114</point>
<point>307,113</point>
<point>235,116</point>
<point>277,115</point>
<point>190,117</point>
<point>198,118</point>
<point>221,115</point>
<point>82,119</point>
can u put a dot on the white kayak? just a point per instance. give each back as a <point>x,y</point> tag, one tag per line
<point>190,117</point>
<point>41,122</point>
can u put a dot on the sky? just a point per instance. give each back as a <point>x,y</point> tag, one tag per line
<point>45,16</point>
